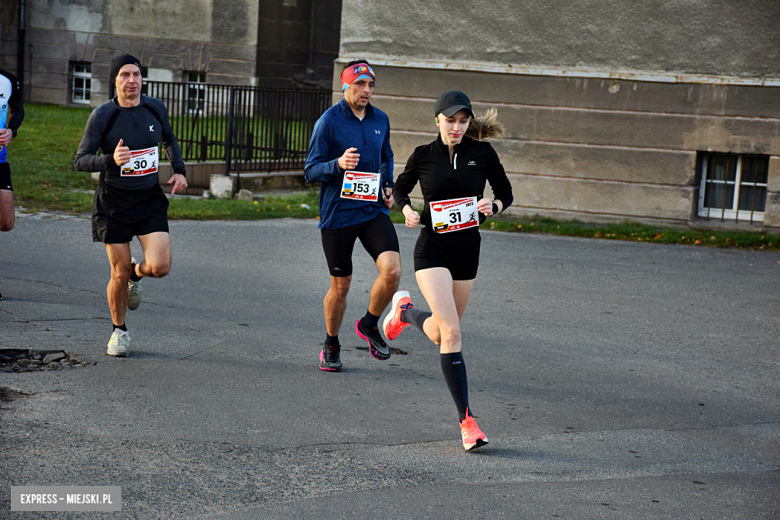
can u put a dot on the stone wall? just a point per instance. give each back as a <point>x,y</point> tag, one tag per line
<point>691,36</point>
<point>168,36</point>
<point>607,109</point>
<point>9,31</point>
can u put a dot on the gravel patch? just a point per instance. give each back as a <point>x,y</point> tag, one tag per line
<point>28,360</point>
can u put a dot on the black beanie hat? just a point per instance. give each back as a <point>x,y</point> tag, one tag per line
<point>116,64</point>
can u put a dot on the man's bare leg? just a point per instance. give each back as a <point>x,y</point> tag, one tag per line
<point>157,255</point>
<point>335,303</point>
<point>6,210</point>
<point>386,283</point>
<point>117,292</point>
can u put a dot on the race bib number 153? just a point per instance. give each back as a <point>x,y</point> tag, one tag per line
<point>360,186</point>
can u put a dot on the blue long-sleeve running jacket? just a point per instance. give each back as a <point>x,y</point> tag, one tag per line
<point>337,130</point>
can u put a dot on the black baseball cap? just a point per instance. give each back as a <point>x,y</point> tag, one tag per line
<point>452,102</point>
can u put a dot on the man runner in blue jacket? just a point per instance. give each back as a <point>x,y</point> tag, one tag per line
<point>350,156</point>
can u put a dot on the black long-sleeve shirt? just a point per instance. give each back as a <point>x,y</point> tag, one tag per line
<point>140,127</point>
<point>473,164</point>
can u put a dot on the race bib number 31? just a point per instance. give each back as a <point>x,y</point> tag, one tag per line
<point>360,186</point>
<point>454,214</point>
<point>142,162</point>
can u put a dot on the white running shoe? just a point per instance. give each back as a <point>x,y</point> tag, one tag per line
<point>119,344</point>
<point>135,292</point>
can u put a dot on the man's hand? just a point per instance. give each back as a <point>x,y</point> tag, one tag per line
<point>121,153</point>
<point>388,199</point>
<point>349,160</point>
<point>412,217</point>
<point>179,182</point>
<point>5,137</point>
<point>485,207</point>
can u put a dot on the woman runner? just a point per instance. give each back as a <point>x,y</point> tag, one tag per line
<point>452,172</point>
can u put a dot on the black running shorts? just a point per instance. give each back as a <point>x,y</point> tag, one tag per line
<point>5,177</point>
<point>460,257</point>
<point>376,235</point>
<point>119,215</point>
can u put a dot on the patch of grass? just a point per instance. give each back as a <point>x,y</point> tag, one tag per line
<point>189,130</point>
<point>223,209</point>
<point>41,159</point>
<point>635,232</point>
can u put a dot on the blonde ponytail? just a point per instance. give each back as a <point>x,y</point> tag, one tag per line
<point>486,126</point>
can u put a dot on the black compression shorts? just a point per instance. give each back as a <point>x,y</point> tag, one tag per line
<point>377,236</point>
<point>5,177</point>
<point>459,257</point>
<point>119,215</point>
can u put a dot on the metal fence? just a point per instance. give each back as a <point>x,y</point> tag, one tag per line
<point>249,128</point>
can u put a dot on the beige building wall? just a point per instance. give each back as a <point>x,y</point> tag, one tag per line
<point>218,37</point>
<point>607,109</point>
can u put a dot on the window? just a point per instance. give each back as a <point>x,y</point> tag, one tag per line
<point>144,86</point>
<point>81,86</point>
<point>733,187</point>
<point>196,93</point>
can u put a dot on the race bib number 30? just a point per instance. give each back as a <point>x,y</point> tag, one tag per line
<point>360,186</point>
<point>454,214</point>
<point>142,162</point>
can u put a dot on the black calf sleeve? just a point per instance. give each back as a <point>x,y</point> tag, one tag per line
<point>416,317</point>
<point>454,369</point>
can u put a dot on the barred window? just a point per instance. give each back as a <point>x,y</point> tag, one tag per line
<point>81,86</point>
<point>196,93</point>
<point>733,187</point>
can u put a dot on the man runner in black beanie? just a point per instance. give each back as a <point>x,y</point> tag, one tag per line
<point>129,201</point>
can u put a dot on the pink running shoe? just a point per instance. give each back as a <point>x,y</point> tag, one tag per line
<point>472,435</point>
<point>393,325</point>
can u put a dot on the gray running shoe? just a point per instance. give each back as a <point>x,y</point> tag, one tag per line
<point>119,344</point>
<point>376,345</point>
<point>330,360</point>
<point>135,293</point>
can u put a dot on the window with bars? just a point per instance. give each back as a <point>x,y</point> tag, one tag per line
<point>81,82</point>
<point>196,93</point>
<point>733,187</point>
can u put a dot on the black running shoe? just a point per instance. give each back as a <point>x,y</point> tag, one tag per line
<point>330,359</point>
<point>376,345</point>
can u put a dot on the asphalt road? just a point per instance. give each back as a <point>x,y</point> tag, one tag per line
<point>613,379</point>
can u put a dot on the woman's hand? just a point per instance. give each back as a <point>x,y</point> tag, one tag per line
<point>412,217</point>
<point>485,207</point>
